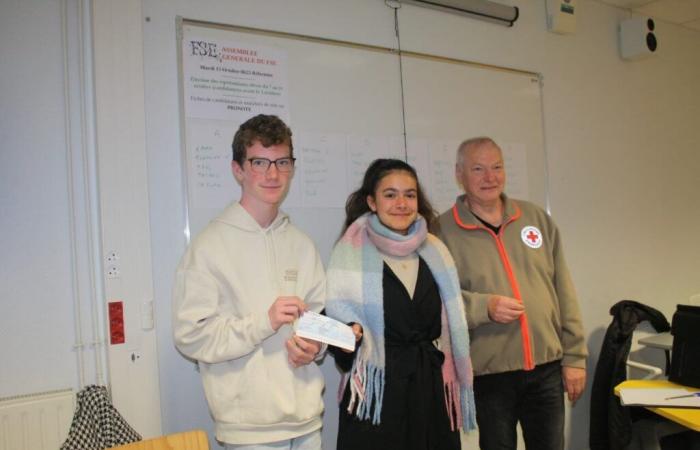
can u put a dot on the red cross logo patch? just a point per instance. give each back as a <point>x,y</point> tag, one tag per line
<point>531,236</point>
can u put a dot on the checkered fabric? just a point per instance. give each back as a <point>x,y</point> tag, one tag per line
<point>97,424</point>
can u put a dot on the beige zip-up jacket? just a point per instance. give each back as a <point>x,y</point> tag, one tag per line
<point>525,260</point>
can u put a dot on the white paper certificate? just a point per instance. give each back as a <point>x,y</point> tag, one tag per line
<point>320,328</point>
<point>660,397</point>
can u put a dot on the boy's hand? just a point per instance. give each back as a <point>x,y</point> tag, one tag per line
<point>285,310</point>
<point>301,351</point>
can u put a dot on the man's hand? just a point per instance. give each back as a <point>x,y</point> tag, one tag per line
<point>574,382</point>
<point>357,331</point>
<point>301,351</point>
<point>504,309</point>
<point>285,310</point>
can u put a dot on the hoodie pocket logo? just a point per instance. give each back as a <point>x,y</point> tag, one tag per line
<point>289,282</point>
<point>291,275</point>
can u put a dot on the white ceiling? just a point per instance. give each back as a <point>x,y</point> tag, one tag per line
<point>681,12</point>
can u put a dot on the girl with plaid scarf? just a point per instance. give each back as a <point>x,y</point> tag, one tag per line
<point>408,384</point>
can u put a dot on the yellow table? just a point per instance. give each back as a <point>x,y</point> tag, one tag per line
<point>187,440</point>
<point>688,417</point>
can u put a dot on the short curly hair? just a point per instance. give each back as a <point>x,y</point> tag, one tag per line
<point>266,129</point>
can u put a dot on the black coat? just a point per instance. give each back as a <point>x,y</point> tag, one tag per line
<point>414,415</point>
<point>611,423</point>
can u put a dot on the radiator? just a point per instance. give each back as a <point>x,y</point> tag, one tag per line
<point>36,421</point>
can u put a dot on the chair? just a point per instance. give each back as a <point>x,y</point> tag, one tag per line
<point>635,368</point>
<point>187,440</point>
<point>610,422</point>
<point>647,432</point>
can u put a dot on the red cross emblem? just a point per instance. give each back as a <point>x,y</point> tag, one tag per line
<point>531,236</point>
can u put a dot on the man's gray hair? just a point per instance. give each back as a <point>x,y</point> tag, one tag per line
<point>473,143</point>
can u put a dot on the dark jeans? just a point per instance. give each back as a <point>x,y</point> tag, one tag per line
<point>534,398</point>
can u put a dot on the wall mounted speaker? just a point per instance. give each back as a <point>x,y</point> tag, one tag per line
<point>637,38</point>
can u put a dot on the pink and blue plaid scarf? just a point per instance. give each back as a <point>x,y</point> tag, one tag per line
<point>354,280</point>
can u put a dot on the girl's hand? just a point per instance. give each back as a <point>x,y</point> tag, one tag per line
<point>357,331</point>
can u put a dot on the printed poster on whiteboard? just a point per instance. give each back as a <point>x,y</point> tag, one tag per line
<point>225,82</point>
<point>233,81</point>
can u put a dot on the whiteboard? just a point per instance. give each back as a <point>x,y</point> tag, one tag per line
<point>345,105</point>
<point>448,101</point>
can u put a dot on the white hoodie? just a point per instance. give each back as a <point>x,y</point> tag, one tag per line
<point>227,280</point>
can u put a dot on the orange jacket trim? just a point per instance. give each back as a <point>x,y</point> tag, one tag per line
<point>524,329</point>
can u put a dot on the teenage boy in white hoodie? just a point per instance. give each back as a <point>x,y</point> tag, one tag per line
<point>243,281</point>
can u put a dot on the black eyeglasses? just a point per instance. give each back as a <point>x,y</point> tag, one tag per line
<point>260,165</point>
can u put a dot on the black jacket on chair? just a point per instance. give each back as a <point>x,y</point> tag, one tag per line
<point>611,423</point>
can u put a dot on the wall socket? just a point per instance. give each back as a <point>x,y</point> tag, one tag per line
<point>113,272</point>
<point>112,260</point>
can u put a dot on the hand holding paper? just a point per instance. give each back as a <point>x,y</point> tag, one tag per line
<point>320,328</point>
<point>301,351</point>
<point>285,310</point>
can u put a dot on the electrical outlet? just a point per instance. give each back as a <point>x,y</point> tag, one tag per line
<point>112,258</point>
<point>116,322</point>
<point>113,272</point>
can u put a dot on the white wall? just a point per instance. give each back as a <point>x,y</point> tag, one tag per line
<point>46,211</point>
<point>622,141</point>
<point>124,216</point>
<point>52,285</point>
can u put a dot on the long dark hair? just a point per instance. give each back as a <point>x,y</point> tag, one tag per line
<point>356,205</point>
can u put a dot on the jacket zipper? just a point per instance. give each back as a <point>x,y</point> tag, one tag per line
<point>524,328</point>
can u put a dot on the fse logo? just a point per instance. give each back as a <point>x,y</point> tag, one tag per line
<point>204,48</point>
